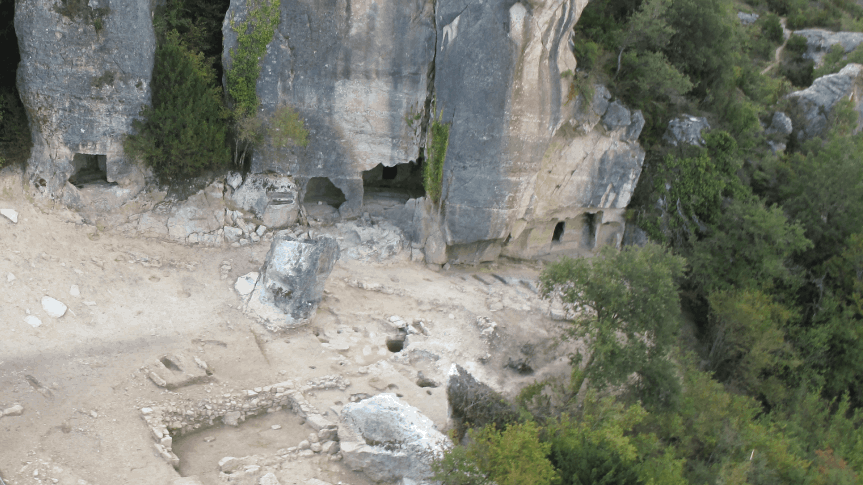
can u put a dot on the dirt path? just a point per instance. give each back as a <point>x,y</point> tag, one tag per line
<point>786,34</point>
<point>79,377</point>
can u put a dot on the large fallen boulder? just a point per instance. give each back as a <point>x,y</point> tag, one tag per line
<point>811,107</point>
<point>389,440</point>
<point>291,282</point>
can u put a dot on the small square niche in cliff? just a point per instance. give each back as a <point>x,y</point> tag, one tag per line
<point>89,170</point>
<point>322,199</point>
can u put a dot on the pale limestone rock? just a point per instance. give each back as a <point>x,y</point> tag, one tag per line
<point>10,214</point>
<point>53,307</point>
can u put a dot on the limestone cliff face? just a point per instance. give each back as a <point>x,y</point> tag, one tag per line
<point>358,73</point>
<point>370,75</point>
<point>84,75</point>
<point>498,82</point>
<point>810,108</point>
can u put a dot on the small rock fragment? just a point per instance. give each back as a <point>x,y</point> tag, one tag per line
<point>15,410</point>
<point>10,214</point>
<point>269,479</point>
<point>33,321</point>
<point>276,426</point>
<point>74,291</point>
<point>53,307</point>
<point>10,277</point>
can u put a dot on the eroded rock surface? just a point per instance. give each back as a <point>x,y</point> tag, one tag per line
<point>812,106</point>
<point>358,73</point>
<point>819,42</point>
<point>84,75</point>
<point>389,440</point>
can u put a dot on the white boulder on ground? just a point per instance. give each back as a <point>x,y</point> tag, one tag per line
<point>53,307</point>
<point>389,440</point>
<point>10,214</point>
<point>291,283</point>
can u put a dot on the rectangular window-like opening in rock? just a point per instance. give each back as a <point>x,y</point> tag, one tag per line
<point>588,231</point>
<point>322,189</point>
<point>558,231</point>
<point>89,169</point>
<point>389,187</point>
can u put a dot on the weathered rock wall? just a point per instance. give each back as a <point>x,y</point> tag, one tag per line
<point>497,81</point>
<point>84,75</point>
<point>358,73</point>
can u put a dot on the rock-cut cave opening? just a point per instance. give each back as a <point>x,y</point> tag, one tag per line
<point>388,187</point>
<point>558,231</point>
<point>322,189</point>
<point>89,169</point>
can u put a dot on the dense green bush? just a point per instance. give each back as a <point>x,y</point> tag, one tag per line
<point>512,456</point>
<point>184,131</point>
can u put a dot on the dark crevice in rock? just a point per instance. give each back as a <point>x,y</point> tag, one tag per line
<point>14,130</point>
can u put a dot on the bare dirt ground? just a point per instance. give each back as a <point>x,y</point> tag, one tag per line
<point>79,378</point>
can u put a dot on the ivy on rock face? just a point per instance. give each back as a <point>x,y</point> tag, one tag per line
<point>253,35</point>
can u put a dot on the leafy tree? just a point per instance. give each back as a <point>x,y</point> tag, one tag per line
<point>750,246</point>
<point>626,306</point>
<point>183,132</point>
<point>601,447</point>
<point>748,349</point>
<point>824,191</point>
<point>513,456</point>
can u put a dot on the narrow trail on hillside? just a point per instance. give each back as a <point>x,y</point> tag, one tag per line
<point>786,34</point>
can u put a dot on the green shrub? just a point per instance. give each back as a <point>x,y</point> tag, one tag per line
<point>772,29</point>
<point>513,456</point>
<point>184,131</point>
<point>433,168</point>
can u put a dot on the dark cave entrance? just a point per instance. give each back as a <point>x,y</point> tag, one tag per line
<point>588,231</point>
<point>89,170</point>
<point>14,130</point>
<point>558,231</point>
<point>388,187</point>
<point>321,190</point>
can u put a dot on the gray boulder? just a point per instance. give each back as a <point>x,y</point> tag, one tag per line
<point>819,42</point>
<point>616,116</point>
<point>83,107</point>
<point>272,198</point>
<point>747,18</point>
<point>291,282</point>
<point>811,107</point>
<point>780,124</point>
<point>686,130</point>
<point>389,440</point>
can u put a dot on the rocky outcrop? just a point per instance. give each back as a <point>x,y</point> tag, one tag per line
<point>498,85</point>
<point>686,130</point>
<point>811,107</point>
<point>369,79</point>
<point>389,440</point>
<point>819,42</point>
<point>358,73</point>
<point>84,75</point>
<point>291,282</point>
<point>585,182</point>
